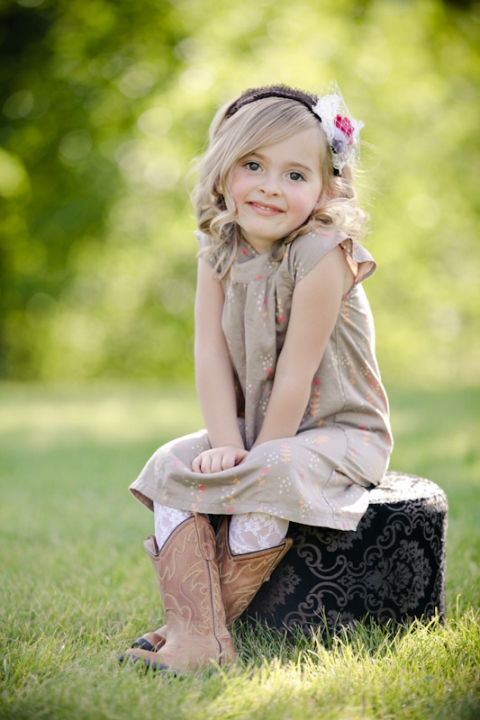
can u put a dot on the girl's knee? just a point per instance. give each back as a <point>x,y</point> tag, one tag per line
<point>254,531</point>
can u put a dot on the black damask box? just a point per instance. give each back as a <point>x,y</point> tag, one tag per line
<point>391,569</point>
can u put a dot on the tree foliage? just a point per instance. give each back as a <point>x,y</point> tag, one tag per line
<point>105,102</point>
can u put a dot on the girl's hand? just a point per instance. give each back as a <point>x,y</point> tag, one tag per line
<point>220,458</point>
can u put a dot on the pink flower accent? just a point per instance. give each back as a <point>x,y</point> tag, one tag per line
<point>344,124</point>
<point>259,277</point>
<point>244,252</point>
<point>281,319</point>
<point>269,371</point>
<point>265,470</point>
<point>316,381</point>
<point>230,509</point>
<point>202,488</point>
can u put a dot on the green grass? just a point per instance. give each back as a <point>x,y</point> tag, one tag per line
<point>75,587</point>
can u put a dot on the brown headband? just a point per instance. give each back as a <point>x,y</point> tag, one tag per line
<point>280,91</point>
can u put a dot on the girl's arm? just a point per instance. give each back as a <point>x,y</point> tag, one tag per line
<point>315,307</point>
<point>214,377</point>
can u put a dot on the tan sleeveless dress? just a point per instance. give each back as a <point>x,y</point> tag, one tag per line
<point>321,476</point>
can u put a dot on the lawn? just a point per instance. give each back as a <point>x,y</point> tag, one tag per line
<point>76,588</point>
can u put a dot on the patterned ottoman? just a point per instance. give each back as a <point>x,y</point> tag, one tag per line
<point>391,568</point>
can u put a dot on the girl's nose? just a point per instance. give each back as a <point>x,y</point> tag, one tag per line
<point>269,184</point>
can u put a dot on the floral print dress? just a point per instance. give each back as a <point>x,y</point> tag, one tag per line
<point>321,476</point>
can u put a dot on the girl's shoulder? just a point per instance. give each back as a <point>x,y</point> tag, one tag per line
<point>303,253</point>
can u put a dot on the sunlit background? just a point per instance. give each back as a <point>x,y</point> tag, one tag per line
<point>104,105</point>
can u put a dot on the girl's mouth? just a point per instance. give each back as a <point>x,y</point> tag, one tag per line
<point>265,208</point>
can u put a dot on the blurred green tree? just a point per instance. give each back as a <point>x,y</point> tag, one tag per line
<point>75,77</point>
<point>104,103</point>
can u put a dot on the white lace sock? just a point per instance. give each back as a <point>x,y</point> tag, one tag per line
<point>166,520</point>
<point>255,531</point>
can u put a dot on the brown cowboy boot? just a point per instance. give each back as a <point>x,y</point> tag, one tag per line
<point>241,577</point>
<point>187,573</point>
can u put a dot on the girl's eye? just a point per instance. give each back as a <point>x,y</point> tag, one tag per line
<point>252,165</point>
<point>296,176</point>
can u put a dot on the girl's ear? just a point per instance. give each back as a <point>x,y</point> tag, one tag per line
<point>328,193</point>
<point>323,198</point>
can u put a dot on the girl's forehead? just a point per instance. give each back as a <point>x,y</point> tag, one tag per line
<point>304,143</point>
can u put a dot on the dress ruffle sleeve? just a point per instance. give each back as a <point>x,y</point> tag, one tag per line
<point>307,250</point>
<point>360,261</point>
<point>203,242</point>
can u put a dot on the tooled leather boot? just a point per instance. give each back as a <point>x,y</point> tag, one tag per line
<point>241,577</point>
<point>187,573</point>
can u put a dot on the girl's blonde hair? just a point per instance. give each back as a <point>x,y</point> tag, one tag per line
<point>264,122</point>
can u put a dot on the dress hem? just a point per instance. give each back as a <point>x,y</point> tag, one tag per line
<point>319,520</point>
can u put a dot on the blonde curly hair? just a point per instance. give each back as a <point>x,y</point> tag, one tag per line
<point>255,119</point>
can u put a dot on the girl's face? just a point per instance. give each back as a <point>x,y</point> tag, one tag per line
<point>276,188</point>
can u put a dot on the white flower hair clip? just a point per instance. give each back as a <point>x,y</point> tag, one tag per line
<point>341,129</point>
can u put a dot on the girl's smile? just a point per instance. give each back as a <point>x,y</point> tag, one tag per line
<point>264,209</point>
<point>276,188</point>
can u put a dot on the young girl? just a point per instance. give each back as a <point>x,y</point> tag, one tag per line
<point>296,417</point>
